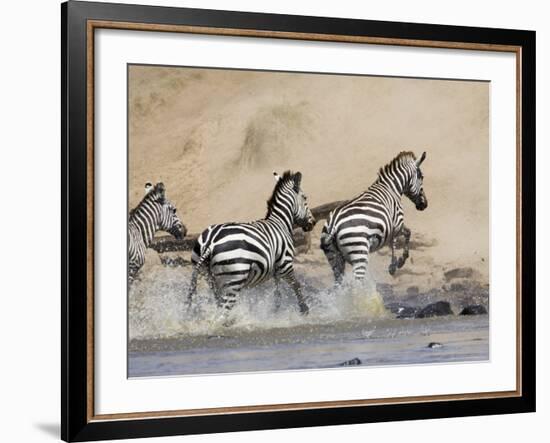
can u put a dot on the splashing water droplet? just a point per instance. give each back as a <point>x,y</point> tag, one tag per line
<point>157,306</point>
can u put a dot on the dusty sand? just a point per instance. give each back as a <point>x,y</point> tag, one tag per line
<point>215,136</point>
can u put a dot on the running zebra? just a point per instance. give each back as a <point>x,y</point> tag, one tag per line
<point>374,218</point>
<point>155,212</point>
<point>234,256</point>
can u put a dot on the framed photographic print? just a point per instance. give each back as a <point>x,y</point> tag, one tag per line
<point>277,221</point>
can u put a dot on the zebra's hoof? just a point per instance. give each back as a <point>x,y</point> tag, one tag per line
<point>392,268</point>
<point>401,262</point>
<point>304,310</point>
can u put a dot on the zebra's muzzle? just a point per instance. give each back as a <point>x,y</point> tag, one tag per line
<point>421,202</point>
<point>179,232</point>
<point>309,225</point>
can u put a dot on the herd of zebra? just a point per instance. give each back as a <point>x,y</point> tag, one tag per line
<point>233,256</point>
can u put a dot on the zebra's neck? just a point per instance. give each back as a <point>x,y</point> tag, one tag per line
<point>281,212</point>
<point>145,219</point>
<point>393,182</point>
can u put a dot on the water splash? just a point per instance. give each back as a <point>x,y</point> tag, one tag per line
<point>157,306</point>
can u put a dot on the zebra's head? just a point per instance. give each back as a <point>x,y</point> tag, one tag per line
<point>294,199</point>
<point>168,220</point>
<point>415,189</point>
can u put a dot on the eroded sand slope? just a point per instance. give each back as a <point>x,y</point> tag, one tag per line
<point>215,136</point>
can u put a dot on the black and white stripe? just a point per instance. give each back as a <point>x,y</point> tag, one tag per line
<point>154,213</point>
<point>374,218</point>
<point>234,256</point>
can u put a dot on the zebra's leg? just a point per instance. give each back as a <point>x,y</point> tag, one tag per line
<point>277,294</point>
<point>131,276</point>
<point>338,265</point>
<point>290,278</point>
<point>226,301</point>
<point>336,261</point>
<point>228,288</point>
<point>198,271</point>
<point>133,269</point>
<point>360,267</point>
<point>213,287</point>
<point>405,232</point>
<point>193,286</point>
<point>393,264</point>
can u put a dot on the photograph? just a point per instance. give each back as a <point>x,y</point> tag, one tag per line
<point>283,221</point>
<point>292,218</point>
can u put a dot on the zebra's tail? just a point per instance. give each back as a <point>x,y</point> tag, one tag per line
<point>327,238</point>
<point>199,258</point>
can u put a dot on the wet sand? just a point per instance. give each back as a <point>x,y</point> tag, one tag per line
<point>373,343</point>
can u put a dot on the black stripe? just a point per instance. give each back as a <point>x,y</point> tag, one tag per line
<point>232,245</point>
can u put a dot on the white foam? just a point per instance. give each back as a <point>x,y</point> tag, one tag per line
<point>157,306</point>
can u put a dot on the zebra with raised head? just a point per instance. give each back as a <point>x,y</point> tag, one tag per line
<point>374,218</point>
<point>154,213</point>
<point>242,255</point>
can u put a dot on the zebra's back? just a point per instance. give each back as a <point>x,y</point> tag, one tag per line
<point>364,224</point>
<point>239,253</point>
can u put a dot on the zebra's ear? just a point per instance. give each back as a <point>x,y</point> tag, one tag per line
<point>421,159</point>
<point>148,187</point>
<point>276,176</point>
<point>297,180</point>
<point>160,191</point>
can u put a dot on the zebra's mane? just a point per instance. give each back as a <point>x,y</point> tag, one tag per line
<point>285,178</point>
<point>156,194</point>
<point>401,158</point>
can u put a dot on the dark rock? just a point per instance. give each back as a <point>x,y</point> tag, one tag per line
<point>174,261</point>
<point>434,344</point>
<point>167,243</point>
<point>323,211</point>
<point>463,285</point>
<point>474,310</point>
<point>401,310</point>
<point>394,307</point>
<point>436,309</point>
<point>353,362</point>
<point>458,286</point>
<point>459,273</point>
<point>407,312</point>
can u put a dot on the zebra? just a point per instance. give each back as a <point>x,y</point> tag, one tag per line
<point>374,218</point>
<point>234,256</point>
<point>155,212</point>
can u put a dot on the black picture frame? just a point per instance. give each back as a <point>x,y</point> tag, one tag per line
<point>76,422</point>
